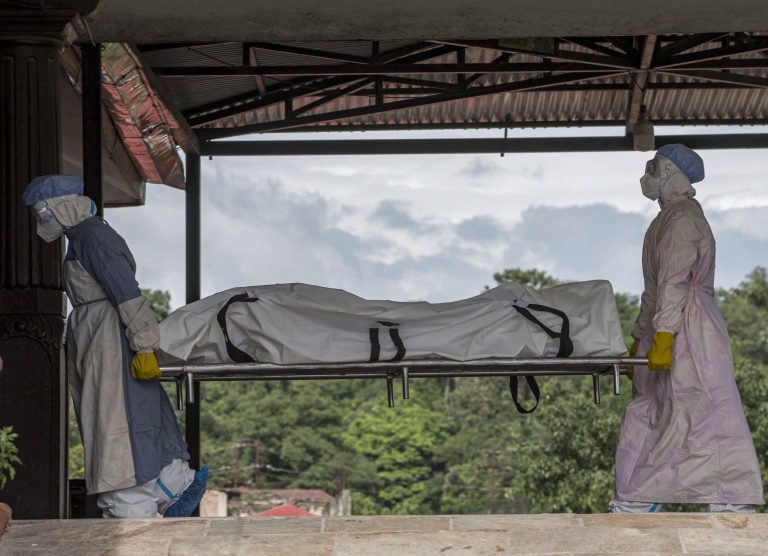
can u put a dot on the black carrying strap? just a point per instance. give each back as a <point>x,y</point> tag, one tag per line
<point>235,354</point>
<point>375,345</point>
<point>532,384</point>
<point>394,334</point>
<point>566,345</point>
<point>565,349</point>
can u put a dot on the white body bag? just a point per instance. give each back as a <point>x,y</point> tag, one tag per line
<point>298,323</point>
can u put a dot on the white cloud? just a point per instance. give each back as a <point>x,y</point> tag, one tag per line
<point>433,227</point>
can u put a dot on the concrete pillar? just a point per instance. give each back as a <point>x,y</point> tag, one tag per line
<point>32,306</point>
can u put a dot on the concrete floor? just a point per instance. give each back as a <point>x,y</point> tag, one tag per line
<point>562,534</point>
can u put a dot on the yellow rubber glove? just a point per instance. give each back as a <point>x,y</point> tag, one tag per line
<point>660,354</point>
<point>632,353</point>
<point>144,367</point>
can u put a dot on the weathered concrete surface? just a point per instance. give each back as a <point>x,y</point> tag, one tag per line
<point>561,534</point>
<point>306,20</point>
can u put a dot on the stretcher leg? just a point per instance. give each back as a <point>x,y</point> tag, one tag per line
<point>406,383</point>
<point>596,386</point>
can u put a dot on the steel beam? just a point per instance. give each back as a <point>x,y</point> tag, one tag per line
<point>613,62</point>
<point>380,69</point>
<point>311,52</point>
<point>751,63</point>
<point>159,47</point>
<point>537,83</point>
<point>252,101</point>
<point>250,59</point>
<point>578,87</point>
<point>722,77</point>
<point>687,43</point>
<point>755,45</point>
<point>444,85</point>
<point>593,45</point>
<point>519,124</point>
<point>333,95</point>
<point>192,410</point>
<point>639,80</point>
<point>90,64</point>
<point>471,146</point>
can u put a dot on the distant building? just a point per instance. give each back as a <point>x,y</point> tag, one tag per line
<point>243,501</point>
<point>284,510</point>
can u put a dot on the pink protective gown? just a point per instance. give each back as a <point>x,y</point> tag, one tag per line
<point>684,437</point>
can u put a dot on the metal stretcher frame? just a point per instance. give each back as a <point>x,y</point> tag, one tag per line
<point>185,376</point>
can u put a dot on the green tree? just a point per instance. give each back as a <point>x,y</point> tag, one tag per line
<point>745,309</point>
<point>9,455</point>
<point>532,277</point>
<point>159,302</point>
<point>500,461</point>
<point>566,463</point>
<point>401,444</point>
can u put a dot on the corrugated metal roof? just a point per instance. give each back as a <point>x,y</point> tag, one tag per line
<point>585,102</point>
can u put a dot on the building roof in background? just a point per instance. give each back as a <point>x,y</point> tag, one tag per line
<point>284,510</point>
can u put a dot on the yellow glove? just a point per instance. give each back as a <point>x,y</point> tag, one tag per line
<point>632,353</point>
<point>660,354</point>
<point>144,366</point>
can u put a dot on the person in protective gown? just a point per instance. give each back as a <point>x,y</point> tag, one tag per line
<point>684,437</point>
<point>135,455</point>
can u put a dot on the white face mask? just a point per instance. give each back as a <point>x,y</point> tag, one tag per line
<point>48,227</point>
<point>652,179</point>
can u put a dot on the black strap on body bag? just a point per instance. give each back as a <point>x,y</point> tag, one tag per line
<point>565,349</point>
<point>394,334</point>
<point>235,354</point>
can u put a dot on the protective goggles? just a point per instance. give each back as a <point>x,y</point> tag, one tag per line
<point>43,212</point>
<point>653,167</point>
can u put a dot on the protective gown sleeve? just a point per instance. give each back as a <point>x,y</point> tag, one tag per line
<point>648,299</point>
<point>676,254</point>
<point>116,275</point>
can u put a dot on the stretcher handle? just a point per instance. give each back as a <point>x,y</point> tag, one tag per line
<point>534,387</point>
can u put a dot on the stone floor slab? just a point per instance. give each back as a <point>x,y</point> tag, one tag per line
<point>663,534</point>
<point>649,521</point>
<point>723,541</point>
<point>377,524</point>
<point>594,540</point>
<point>444,543</point>
<point>267,545</point>
<point>248,527</point>
<point>739,521</point>
<point>506,522</point>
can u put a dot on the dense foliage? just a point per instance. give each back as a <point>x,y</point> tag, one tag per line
<point>9,455</point>
<point>458,445</point>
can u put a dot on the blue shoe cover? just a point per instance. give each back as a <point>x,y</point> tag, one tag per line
<point>190,498</point>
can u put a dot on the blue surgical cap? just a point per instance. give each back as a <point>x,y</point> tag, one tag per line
<point>48,187</point>
<point>686,160</point>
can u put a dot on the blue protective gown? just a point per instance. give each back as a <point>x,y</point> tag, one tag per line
<point>128,427</point>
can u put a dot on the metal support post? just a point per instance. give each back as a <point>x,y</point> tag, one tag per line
<point>92,173</point>
<point>406,384</point>
<point>179,398</point>
<point>390,391</point>
<point>192,408</point>
<point>596,386</point>
<point>616,380</point>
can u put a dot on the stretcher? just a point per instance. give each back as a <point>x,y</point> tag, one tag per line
<point>185,376</point>
<point>304,332</point>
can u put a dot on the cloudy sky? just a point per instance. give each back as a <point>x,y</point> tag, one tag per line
<point>435,227</point>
